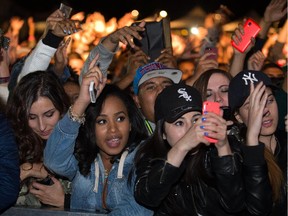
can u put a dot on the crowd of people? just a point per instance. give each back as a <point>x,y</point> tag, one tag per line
<point>146,146</point>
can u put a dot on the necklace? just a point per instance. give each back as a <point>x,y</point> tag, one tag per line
<point>106,173</point>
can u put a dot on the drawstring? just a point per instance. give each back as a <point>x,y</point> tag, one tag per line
<point>119,172</point>
<point>97,173</point>
<point>121,164</point>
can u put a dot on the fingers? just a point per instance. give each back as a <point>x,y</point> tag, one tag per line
<point>38,186</point>
<point>68,26</point>
<point>127,33</point>
<point>93,62</point>
<point>214,126</point>
<point>64,44</point>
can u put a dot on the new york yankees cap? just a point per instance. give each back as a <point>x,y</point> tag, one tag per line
<point>155,69</point>
<point>239,86</point>
<point>176,100</point>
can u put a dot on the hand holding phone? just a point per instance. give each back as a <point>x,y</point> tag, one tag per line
<point>251,29</point>
<point>46,181</point>
<point>209,106</point>
<point>66,10</point>
<point>213,50</point>
<point>155,38</point>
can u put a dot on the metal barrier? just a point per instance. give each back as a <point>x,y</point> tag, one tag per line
<point>28,211</point>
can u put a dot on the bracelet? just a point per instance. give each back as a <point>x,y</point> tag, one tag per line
<point>76,118</point>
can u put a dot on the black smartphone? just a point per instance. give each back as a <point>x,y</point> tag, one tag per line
<point>46,181</point>
<point>226,112</point>
<point>155,38</point>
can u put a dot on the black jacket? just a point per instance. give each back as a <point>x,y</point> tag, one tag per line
<point>280,207</point>
<point>163,187</point>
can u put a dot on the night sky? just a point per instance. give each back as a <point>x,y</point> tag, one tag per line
<point>40,9</point>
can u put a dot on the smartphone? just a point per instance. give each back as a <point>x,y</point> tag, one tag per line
<point>212,50</point>
<point>66,10</point>
<point>92,92</point>
<point>226,112</point>
<point>251,29</point>
<point>46,181</point>
<point>152,41</point>
<point>209,106</point>
<point>155,38</point>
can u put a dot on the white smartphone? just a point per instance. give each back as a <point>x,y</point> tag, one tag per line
<point>92,92</point>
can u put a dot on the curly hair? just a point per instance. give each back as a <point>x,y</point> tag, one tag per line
<point>86,148</point>
<point>28,90</point>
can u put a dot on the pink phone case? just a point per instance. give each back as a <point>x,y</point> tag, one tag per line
<point>209,106</point>
<point>251,29</point>
<point>212,50</point>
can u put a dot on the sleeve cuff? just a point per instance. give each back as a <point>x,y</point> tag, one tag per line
<point>253,155</point>
<point>52,40</point>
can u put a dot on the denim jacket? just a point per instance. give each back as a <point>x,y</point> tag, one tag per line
<point>87,191</point>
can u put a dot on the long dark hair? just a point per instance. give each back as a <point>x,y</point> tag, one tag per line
<point>28,90</point>
<point>202,82</point>
<point>86,149</point>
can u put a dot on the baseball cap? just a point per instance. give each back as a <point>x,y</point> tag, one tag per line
<point>176,100</point>
<point>155,69</point>
<point>239,86</point>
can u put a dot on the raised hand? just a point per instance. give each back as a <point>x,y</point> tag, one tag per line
<point>136,59</point>
<point>61,58</point>
<point>205,64</point>
<point>256,103</point>
<point>124,35</point>
<point>60,26</point>
<point>256,61</point>
<point>275,11</point>
<point>95,75</point>
<point>16,24</point>
<point>237,38</point>
<point>166,58</point>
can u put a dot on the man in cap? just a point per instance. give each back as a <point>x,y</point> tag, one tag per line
<point>148,82</point>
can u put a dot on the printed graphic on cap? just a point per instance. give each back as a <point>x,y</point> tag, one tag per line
<point>184,94</point>
<point>250,77</point>
<point>151,66</point>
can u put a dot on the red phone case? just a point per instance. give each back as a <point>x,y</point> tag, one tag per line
<point>209,106</point>
<point>251,29</point>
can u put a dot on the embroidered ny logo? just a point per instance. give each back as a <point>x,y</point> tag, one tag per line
<point>250,77</point>
<point>184,94</point>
